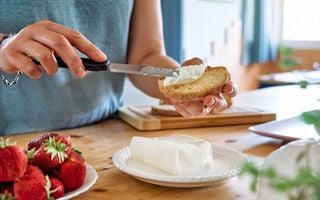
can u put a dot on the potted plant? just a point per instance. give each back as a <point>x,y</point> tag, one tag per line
<point>293,171</point>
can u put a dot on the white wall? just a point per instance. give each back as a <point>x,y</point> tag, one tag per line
<point>210,26</point>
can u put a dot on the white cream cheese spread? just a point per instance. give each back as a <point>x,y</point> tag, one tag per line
<point>187,74</point>
<point>175,154</point>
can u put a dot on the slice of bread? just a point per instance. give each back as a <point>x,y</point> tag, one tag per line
<point>164,110</point>
<point>211,82</point>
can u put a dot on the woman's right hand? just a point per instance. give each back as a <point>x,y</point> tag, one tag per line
<point>41,41</point>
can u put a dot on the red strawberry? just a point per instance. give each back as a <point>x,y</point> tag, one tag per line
<point>50,155</point>
<point>72,172</point>
<point>76,155</point>
<point>37,142</point>
<point>6,191</point>
<point>64,138</point>
<point>31,185</point>
<point>55,187</point>
<point>13,161</point>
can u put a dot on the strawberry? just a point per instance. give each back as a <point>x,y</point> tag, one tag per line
<point>55,187</point>
<point>13,161</point>
<point>76,155</point>
<point>50,155</point>
<point>72,172</point>
<point>64,138</point>
<point>31,185</point>
<point>37,142</point>
<point>6,191</point>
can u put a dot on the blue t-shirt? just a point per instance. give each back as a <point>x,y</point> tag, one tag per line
<point>63,101</point>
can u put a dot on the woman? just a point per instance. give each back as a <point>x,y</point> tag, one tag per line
<point>49,98</point>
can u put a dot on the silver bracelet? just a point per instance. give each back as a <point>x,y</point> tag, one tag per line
<point>3,78</point>
<point>10,83</point>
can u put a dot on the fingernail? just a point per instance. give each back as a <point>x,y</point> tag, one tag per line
<point>211,102</point>
<point>215,101</point>
<point>228,89</point>
<point>102,56</point>
<point>81,72</point>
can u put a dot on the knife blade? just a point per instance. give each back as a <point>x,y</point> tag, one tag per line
<point>91,65</point>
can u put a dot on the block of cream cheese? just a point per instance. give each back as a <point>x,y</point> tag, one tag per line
<point>187,74</point>
<point>175,154</point>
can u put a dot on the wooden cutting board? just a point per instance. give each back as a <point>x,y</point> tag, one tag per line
<point>141,118</point>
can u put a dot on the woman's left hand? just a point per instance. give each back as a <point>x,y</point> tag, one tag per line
<point>215,103</point>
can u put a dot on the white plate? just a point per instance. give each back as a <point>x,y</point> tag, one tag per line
<point>288,129</point>
<point>89,181</point>
<point>227,164</point>
<point>284,161</point>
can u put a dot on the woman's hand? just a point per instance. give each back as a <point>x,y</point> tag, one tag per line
<point>216,103</point>
<point>41,41</point>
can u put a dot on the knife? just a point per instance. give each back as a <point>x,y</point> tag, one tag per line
<point>91,65</point>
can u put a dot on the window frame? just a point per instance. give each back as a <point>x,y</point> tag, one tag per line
<point>296,44</point>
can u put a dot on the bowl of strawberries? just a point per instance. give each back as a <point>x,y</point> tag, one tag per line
<point>48,168</point>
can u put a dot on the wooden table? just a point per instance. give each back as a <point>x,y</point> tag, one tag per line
<point>100,141</point>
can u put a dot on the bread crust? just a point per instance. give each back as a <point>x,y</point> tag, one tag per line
<point>164,110</point>
<point>210,83</point>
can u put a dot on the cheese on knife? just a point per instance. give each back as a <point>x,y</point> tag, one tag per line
<point>174,154</point>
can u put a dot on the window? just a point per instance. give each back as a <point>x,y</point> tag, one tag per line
<point>301,23</point>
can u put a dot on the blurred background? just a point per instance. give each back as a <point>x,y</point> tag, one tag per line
<point>262,42</point>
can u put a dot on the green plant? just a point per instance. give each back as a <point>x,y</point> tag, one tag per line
<point>312,117</point>
<point>304,185</point>
<point>304,84</point>
<point>306,182</point>
<point>287,60</point>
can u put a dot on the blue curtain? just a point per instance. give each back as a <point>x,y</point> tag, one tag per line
<point>172,12</point>
<point>261,30</point>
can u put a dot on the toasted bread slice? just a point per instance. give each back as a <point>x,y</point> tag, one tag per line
<point>164,110</point>
<point>211,82</point>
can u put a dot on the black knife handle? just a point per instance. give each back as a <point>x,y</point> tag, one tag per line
<point>88,64</point>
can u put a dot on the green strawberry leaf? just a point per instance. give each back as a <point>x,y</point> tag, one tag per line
<point>6,143</point>
<point>56,149</point>
<point>6,196</point>
<point>77,150</point>
<point>30,153</point>
<point>48,187</point>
